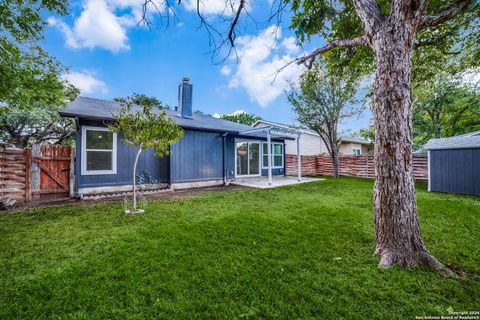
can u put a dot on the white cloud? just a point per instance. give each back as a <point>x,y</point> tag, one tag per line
<point>237,112</point>
<point>103,24</point>
<point>71,40</point>
<point>234,113</point>
<point>226,71</point>
<point>290,45</point>
<point>260,58</point>
<point>86,82</point>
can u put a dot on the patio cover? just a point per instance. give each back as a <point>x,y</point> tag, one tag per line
<point>275,132</point>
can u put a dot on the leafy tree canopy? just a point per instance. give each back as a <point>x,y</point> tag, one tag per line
<point>28,75</point>
<point>241,117</point>
<point>321,101</point>
<point>456,40</point>
<point>324,99</point>
<point>367,133</point>
<point>145,127</point>
<point>142,99</point>
<point>38,123</point>
<point>446,106</point>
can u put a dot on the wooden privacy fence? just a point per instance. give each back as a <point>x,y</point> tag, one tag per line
<point>353,166</point>
<point>37,173</point>
<point>12,174</point>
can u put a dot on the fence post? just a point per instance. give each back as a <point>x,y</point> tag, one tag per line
<point>72,173</point>
<point>2,161</point>
<point>28,168</point>
<point>35,180</point>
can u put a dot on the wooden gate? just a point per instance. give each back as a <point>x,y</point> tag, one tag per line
<point>51,172</point>
<point>36,174</point>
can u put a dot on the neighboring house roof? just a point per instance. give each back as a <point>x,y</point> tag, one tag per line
<point>309,131</point>
<point>464,141</point>
<point>355,140</point>
<point>98,109</point>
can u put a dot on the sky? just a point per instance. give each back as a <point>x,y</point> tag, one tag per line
<point>109,54</point>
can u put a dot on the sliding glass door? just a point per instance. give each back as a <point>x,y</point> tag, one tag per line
<point>248,158</point>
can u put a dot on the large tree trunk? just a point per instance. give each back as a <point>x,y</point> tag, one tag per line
<point>334,156</point>
<point>437,127</point>
<point>397,230</point>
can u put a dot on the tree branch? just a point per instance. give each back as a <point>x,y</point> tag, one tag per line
<point>369,12</point>
<point>345,43</point>
<point>445,15</point>
<point>231,32</point>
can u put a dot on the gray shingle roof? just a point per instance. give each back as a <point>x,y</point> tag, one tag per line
<point>97,109</point>
<point>464,141</point>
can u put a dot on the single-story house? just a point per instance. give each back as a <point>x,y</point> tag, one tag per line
<point>354,146</point>
<point>311,144</point>
<point>212,151</point>
<point>454,164</point>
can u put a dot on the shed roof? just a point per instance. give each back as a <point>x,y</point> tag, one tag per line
<point>464,141</point>
<point>98,109</point>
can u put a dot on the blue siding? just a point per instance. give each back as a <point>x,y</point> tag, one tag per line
<point>231,156</point>
<point>197,156</point>
<point>455,171</point>
<point>156,166</point>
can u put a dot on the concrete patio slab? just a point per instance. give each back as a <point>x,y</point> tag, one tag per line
<point>262,182</point>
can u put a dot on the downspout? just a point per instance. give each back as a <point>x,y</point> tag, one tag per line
<point>78,149</point>
<point>224,159</point>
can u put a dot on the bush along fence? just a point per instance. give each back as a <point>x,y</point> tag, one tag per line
<point>36,174</point>
<point>352,166</point>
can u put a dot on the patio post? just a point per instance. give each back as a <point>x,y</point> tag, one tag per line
<point>269,154</point>
<point>299,159</point>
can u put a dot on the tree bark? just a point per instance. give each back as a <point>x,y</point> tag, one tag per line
<point>334,156</point>
<point>397,231</point>
<point>438,134</point>
<point>437,125</point>
<point>134,208</point>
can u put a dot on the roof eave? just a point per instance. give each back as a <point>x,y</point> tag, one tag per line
<point>453,148</point>
<point>83,117</point>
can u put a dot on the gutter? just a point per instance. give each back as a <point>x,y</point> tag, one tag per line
<point>68,115</point>
<point>76,163</point>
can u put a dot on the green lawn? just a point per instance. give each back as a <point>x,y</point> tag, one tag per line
<point>295,252</point>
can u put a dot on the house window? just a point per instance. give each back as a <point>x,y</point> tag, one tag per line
<point>99,154</point>
<point>277,155</point>
<point>357,152</point>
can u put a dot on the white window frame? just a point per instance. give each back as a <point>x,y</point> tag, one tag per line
<point>353,151</point>
<point>265,166</point>
<point>259,158</point>
<point>84,152</point>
